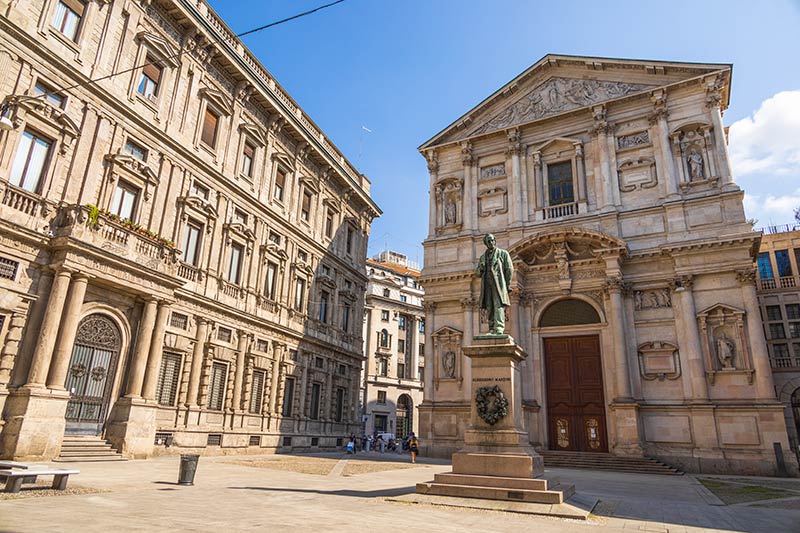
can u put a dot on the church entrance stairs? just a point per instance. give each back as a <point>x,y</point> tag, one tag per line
<point>606,461</point>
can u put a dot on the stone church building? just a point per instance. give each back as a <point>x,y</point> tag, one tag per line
<point>634,290</point>
<point>183,249</point>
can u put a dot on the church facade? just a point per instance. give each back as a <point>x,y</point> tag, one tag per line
<point>634,294</point>
<point>182,259</point>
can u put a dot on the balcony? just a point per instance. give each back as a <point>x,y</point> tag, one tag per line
<point>22,201</point>
<point>784,282</point>
<point>189,272</point>
<point>559,211</point>
<point>785,362</point>
<point>123,239</point>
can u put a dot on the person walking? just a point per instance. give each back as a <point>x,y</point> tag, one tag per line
<point>381,444</point>
<point>413,445</point>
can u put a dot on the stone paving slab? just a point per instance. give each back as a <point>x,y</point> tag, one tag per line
<point>577,508</point>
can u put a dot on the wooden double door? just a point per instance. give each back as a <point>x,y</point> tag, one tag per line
<point>575,406</point>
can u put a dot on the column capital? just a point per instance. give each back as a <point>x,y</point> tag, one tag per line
<point>746,276</point>
<point>681,283</point>
<point>614,284</point>
<point>467,157</point>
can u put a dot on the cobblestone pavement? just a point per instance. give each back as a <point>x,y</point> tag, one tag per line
<point>143,495</point>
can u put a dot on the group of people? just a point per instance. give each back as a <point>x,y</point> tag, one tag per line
<point>376,442</point>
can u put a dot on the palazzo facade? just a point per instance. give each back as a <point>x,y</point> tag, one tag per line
<point>634,290</point>
<point>182,261</point>
<point>394,328</point>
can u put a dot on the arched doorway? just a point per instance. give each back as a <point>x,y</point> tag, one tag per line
<point>403,416</point>
<point>91,374</point>
<point>574,380</point>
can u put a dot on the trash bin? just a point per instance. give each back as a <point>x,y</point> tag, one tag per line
<point>188,469</point>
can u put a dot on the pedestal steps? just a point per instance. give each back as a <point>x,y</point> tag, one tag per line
<point>83,448</point>
<point>497,488</point>
<point>606,461</point>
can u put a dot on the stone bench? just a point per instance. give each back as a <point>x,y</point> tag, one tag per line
<point>15,478</point>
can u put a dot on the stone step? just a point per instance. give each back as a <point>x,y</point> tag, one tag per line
<point>606,461</point>
<point>89,459</point>
<point>552,497</point>
<point>87,448</point>
<point>79,453</point>
<point>450,478</point>
<point>87,445</point>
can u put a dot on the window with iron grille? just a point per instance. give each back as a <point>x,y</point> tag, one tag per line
<point>319,362</point>
<point>342,370</point>
<point>168,378</point>
<point>257,392</point>
<point>313,411</point>
<point>224,334</point>
<point>774,312</point>
<point>8,268</point>
<point>214,439</point>
<point>776,331</point>
<point>794,329</point>
<point>315,441</point>
<point>287,441</point>
<point>216,393</point>
<point>255,440</point>
<point>178,320</point>
<point>288,398</point>
<point>793,311</point>
<point>339,404</point>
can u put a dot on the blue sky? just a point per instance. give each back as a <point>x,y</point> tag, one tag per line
<point>405,69</point>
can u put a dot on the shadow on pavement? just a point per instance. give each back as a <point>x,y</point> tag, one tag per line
<point>397,491</point>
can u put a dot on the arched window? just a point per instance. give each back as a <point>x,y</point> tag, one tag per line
<point>569,313</point>
<point>384,338</point>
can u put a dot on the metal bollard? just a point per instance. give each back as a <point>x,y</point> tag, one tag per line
<point>188,469</point>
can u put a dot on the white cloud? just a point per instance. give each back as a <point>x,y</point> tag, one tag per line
<point>771,209</point>
<point>768,143</point>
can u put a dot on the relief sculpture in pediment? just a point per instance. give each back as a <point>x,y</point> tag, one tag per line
<point>556,96</point>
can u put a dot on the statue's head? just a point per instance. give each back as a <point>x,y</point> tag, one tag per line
<point>489,241</point>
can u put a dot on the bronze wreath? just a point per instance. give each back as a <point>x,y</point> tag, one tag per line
<point>483,399</point>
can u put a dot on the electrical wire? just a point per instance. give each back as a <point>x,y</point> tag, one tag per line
<point>45,94</point>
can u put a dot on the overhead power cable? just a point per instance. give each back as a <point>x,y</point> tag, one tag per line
<point>45,94</point>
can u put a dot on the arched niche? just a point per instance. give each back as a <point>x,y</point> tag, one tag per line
<point>569,312</point>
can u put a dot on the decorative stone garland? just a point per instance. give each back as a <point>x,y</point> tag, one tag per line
<point>491,415</point>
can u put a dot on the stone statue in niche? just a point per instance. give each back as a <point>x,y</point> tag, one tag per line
<point>449,364</point>
<point>450,211</point>
<point>695,161</point>
<point>725,352</point>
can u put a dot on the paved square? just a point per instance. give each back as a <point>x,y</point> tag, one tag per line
<point>353,495</point>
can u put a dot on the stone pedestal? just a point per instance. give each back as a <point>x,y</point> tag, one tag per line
<point>132,427</point>
<point>35,423</point>
<point>497,461</point>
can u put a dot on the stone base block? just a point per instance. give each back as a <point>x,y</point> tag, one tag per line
<point>132,427</point>
<point>494,481</point>
<point>519,465</point>
<point>34,425</point>
<point>555,496</point>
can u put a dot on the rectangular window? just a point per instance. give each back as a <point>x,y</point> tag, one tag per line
<point>421,373</point>
<point>323,306</point>
<point>401,370</point>
<point>178,320</point>
<point>262,345</point>
<point>235,263</point>
<point>341,370</point>
<point>305,209</point>
<point>349,241</point>
<point>776,331</point>
<point>774,312</point>
<point>210,126</point>
<point>151,77</point>
<point>382,397</point>
<point>280,183</point>
<point>339,404</point>
<point>401,346</point>
<point>764,266</point>
<point>200,190</point>
<point>793,311</point>
<point>319,362</point>
<point>50,96</point>
<point>288,397</point>
<point>794,330</point>
<point>782,262</point>
<point>313,410</point>
<point>274,238</point>
<point>30,161</point>
<point>385,315</point>
<point>67,17</point>
<point>224,334</point>
<point>240,216</point>
<point>216,386</point>
<point>383,370</point>
<point>272,275</point>
<point>191,242</point>
<point>8,269</point>
<point>422,326</point>
<point>135,150</point>
<point>559,183</point>
<point>257,391</point>
<point>386,293</point>
<point>168,378</point>
<point>248,155</point>
<point>421,350</point>
<point>329,225</point>
<point>302,255</point>
<point>346,318</point>
<point>403,298</point>
<point>401,323</point>
<point>299,294</point>
<point>124,203</point>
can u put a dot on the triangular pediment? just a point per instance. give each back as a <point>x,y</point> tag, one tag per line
<point>559,84</point>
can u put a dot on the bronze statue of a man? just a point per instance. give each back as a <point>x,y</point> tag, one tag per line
<point>495,270</point>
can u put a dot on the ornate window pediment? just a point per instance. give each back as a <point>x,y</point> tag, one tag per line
<point>253,133</point>
<point>132,169</point>
<point>220,101</point>
<point>310,183</point>
<point>159,47</point>
<point>240,230</point>
<point>201,206</point>
<point>51,116</point>
<point>558,144</point>
<point>283,159</point>
<point>275,250</point>
<point>303,268</point>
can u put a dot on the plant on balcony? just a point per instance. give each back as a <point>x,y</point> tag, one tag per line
<point>95,213</point>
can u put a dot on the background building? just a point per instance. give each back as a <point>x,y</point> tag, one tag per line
<point>779,296</point>
<point>394,333</point>
<point>634,294</point>
<point>182,247</point>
